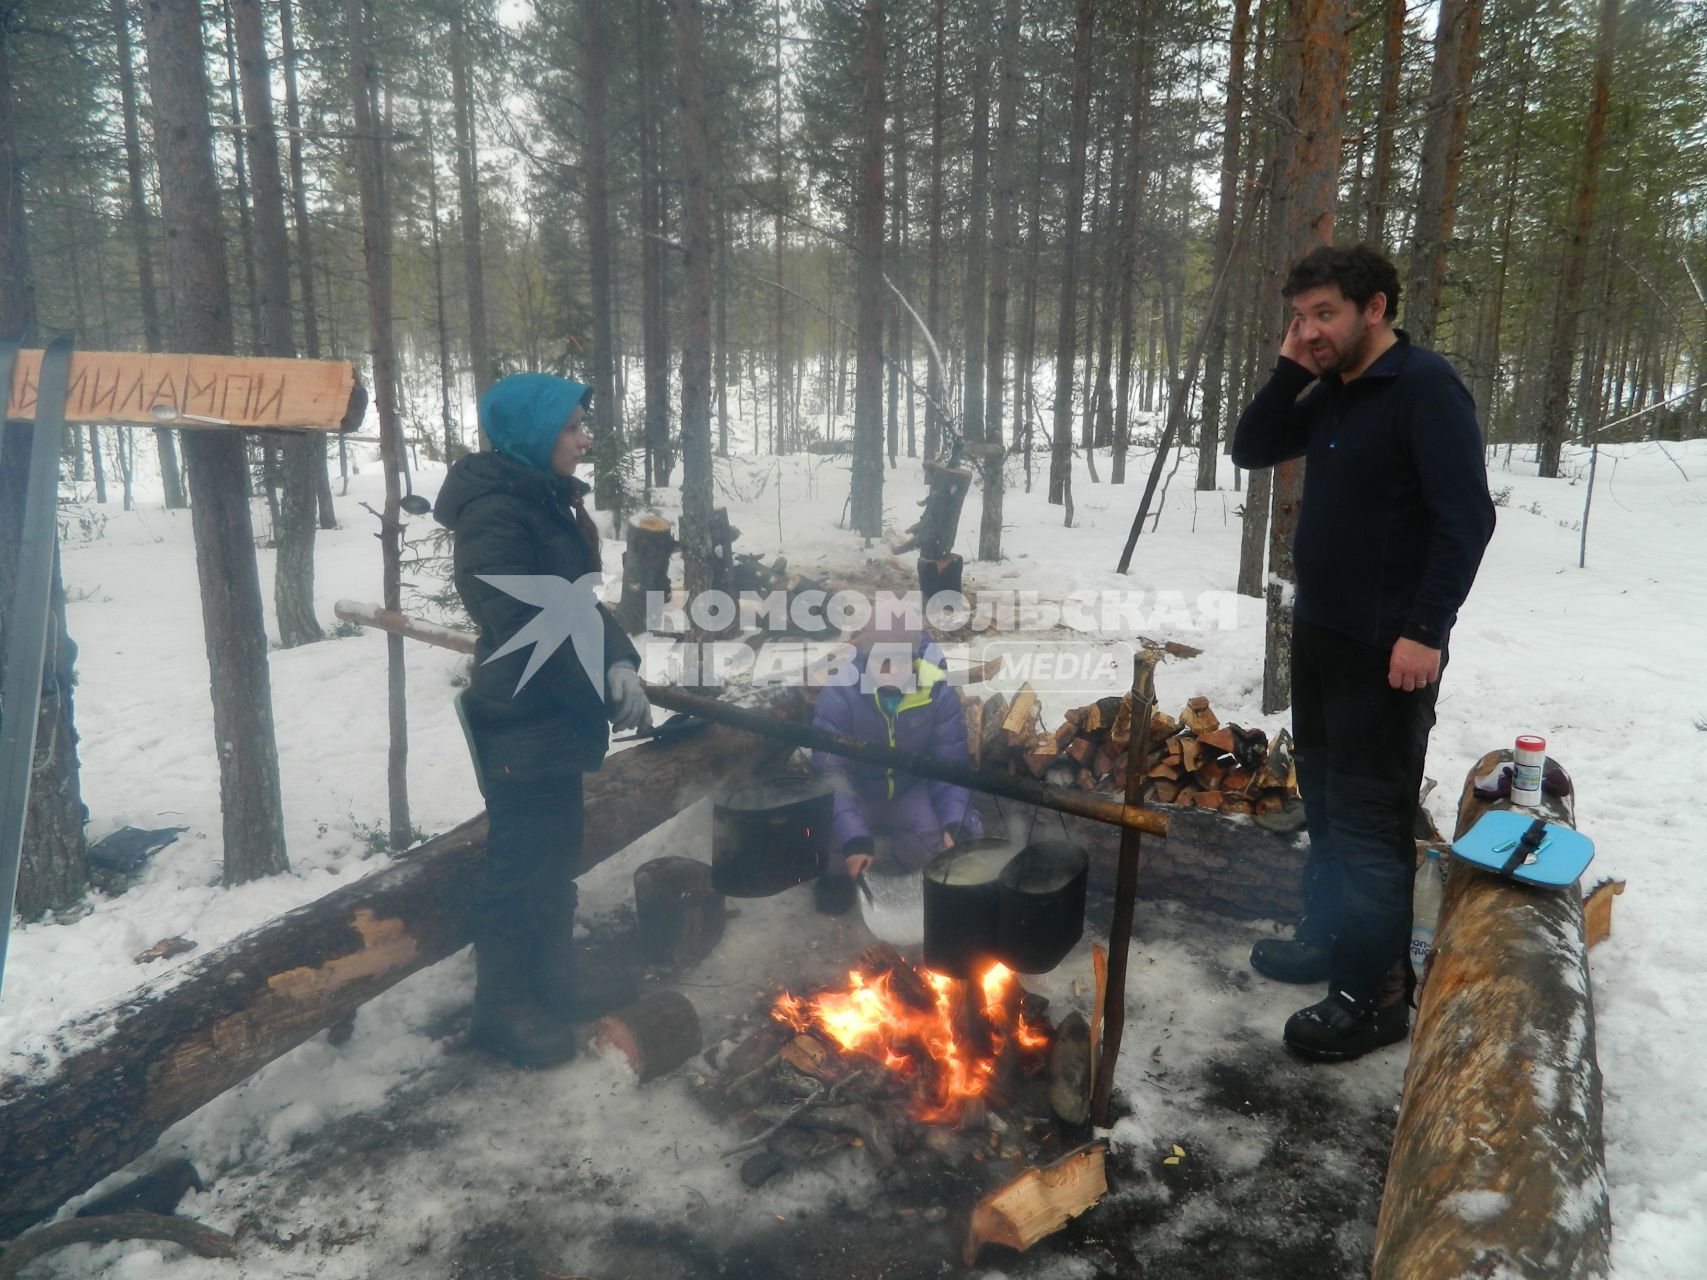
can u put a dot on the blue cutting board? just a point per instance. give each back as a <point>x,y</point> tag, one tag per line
<point>1562,857</point>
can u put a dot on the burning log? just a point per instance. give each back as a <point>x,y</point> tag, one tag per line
<point>157,1055</point>
<point>680,917</point>
<point>1498,1160</point>
<point>1037,1203</point>
<point>655,1034</point>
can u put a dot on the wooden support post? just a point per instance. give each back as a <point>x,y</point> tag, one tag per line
<point>1498,1163</point>
<point>1126,886</point>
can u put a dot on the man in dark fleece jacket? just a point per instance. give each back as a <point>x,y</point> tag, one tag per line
<point>1395,517</point>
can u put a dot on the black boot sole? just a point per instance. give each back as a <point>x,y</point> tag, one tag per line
<point>1352,1049</point>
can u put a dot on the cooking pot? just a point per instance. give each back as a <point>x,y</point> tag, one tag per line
<point>770,836</point>
<point>960,887</point>
<point>1040,905</point>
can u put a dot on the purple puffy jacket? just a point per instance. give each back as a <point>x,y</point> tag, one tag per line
<point>928,719</point>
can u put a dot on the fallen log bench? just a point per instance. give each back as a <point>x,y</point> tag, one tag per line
<point>1498,1164</point>
<point>130,1071</point>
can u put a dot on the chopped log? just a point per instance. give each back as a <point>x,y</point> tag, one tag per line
<point>1221,740</point>
<point>1037,1203</point>
<point>992,746</point>
<point>973,710</point>
<point>810,1056</point>
<point>905,982</point>
<point>202,1241</point>
<point>1498,1162</point>
<point>1198,717</point>
<point>679,916</point>
<point>1120,732</point>
<point>132,1070</point>
<point>1597,910</point>
<point>1069,1070</point>
<point>656,1034</point>
<point>1208,799</point>
<point>645,568</point>
<point>1191,753</point>
<point>1022,714</point>
<point>1210,775</point>
<point>1231,803</point>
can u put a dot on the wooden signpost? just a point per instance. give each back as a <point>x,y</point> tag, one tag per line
<point>196,391</point>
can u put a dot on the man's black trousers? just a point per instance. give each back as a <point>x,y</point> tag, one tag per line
<point>1360,749</point>
<point>533,852</point>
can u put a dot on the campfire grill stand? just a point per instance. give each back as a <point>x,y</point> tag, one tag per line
<point>1127,813</point>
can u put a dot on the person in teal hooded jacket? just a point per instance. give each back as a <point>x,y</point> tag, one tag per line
<point>552,673</point>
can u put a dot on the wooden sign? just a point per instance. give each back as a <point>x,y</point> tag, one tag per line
<point>156,390</point>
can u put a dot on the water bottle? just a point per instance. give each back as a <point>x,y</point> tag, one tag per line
<point>1425,909</point>
<point>1528,761</point>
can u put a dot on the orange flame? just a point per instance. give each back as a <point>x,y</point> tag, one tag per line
<point>868,1017</point>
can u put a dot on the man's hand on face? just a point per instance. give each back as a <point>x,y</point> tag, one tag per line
<point>1412,666</point>
<point>1293,347</point>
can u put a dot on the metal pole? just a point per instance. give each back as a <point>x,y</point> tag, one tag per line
<point>28,616</point>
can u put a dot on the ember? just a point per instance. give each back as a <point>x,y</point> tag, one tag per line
<point>946,1037</point>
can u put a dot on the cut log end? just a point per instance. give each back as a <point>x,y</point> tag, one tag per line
<point>1037,1203</point>
<point>655,1035</point>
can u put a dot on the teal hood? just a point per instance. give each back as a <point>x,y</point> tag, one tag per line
<point>523,414</point>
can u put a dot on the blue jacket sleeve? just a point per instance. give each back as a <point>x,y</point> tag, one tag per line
<point>1446,448</point>
<point>831,715</point>
<point>1275,426</point>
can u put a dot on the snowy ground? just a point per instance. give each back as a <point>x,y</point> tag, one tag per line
<point>393,1151</point>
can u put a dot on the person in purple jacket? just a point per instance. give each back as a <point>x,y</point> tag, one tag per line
<point>895,692</point>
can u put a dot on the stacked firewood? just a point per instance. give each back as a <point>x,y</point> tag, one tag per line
<point>1193,758</point>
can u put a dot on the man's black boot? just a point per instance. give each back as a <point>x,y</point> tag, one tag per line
<point>1342,1027</point>
<point>569,989</point>
<point>1301,959</point>
<point>508,1021</point>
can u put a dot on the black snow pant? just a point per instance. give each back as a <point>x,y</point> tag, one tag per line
<point>533,853</point>
<point>1360,748</point>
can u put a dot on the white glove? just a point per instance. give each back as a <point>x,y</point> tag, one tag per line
<point>626,698</point>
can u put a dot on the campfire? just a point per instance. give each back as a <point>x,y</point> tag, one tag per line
<point>956,1090</point>
<point>948,1039</point>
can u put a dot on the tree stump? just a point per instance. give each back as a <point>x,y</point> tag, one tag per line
<point>1498,1163</point>
<point>680,916</point>
<point>656,1034</point>
<point>935,531</point>
<point>645,568</point>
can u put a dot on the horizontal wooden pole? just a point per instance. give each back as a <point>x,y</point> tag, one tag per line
<point>1084,804</point>
<point>155,389</point>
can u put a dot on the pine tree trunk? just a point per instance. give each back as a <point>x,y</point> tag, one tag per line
<point>1386,120</point>
<point>240,167</point>
<point>376,254</point>
<point>721,375</point>
<point>441,323</point>
<point>607,405</point>
<point>934,389</point>
<point>1214,360</point>
<point>1556,386</point>
<point>468,194</point>
<point>973,335</point>
<point>1312,195</point>
<point>655,356</point>
<point>779,403</point>
<point>301,456</point>
<point>165,442</point>
<point>304,250</point>
<point>1455,41</point>
<point>699,559</point>
<point>866,504</point>
<point>1025,416</point>
<point>236,639</point>
<point>54,869</point>
<point>1132,205</point>
<point>1002,236</point>
<point>1061,454</point>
